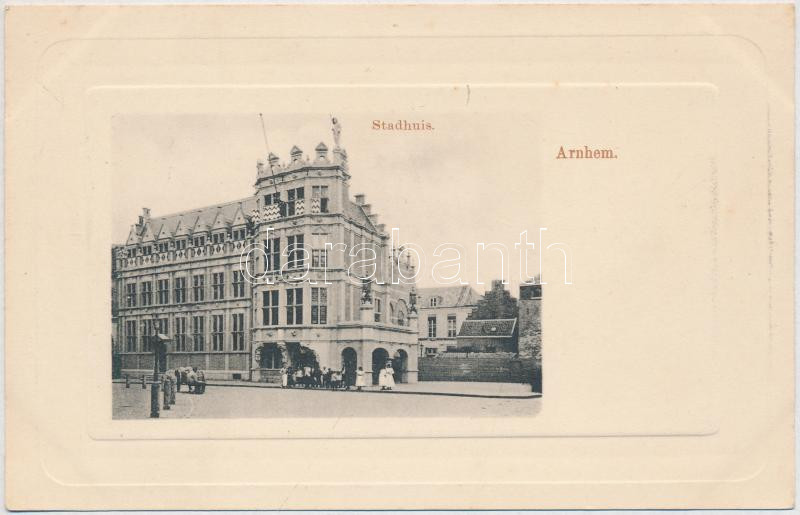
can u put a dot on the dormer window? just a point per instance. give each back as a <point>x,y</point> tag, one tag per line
<point>162,247</point>
<point>199,241</point>
<point>180,244</point>
<point>238,234</point>
<point>147,250</point>
<point>218,238</point>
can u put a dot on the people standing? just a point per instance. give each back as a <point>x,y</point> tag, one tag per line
<point>360,382</point>
<point>389,376</point>
<point>284,377</point>
<point>298,376</point>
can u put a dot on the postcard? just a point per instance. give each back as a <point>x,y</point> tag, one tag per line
<point>399,257</point>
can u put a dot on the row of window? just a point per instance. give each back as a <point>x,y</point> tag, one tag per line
<point>144,295</point>
<point>451,326</point>
<point>193,341</point>
<point>295,256</point>
<point>293,298</point>
<point>181,244</point>
<point>289,206</point>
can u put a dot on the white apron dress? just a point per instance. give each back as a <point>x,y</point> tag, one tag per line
<point>389,377</point>
<point>360,378</point>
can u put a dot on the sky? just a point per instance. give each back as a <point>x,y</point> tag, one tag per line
<point>472,179</point>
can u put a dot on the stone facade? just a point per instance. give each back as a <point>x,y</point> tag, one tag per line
<point>442,311</point>
<point>530,321</point>
<point>292,304</point>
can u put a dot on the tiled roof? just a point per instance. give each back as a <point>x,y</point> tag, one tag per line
<point>498,328</point>
<point>205,216</point>
<point>354,212</point>
<point>449,296</point>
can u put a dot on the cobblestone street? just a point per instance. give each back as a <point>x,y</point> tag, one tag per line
<point>244,402</point>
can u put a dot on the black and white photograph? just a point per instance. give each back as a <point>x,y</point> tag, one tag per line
<point>300,299</point>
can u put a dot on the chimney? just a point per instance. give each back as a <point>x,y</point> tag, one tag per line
<point>146,214</point>
<point>360,199</point>
<point>367,208</point>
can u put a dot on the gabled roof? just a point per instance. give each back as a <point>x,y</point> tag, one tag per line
<point>147,234</point>
<point>181,229</point>
<point>219,222</point>
<point>133,236</point>
<point>238,218</point>
<point>497,328</point>
<point>354,212</point>
<point>449,296</point>
<point>200,225</point>
<point>164,233</point>
<point>206,216</point>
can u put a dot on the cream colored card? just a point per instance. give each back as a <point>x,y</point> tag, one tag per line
<point>645,151</point>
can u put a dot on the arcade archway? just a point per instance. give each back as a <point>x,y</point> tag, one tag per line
<point>349,364</point>
<point>400,366</point>
<point>379,359</point>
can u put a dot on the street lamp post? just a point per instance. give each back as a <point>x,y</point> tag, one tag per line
<point>154,390</point>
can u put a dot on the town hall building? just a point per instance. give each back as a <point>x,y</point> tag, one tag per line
<point>181,276</point>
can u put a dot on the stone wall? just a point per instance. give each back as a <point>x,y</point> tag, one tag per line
<point>500,369</point>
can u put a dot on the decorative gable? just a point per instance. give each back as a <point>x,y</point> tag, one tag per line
<point>164,233</point>
<point>147,235</point>
<point>199,226</point>
<point>238,218</point>
<point>182,229</point>
<point>133,237</point>
<point>219,222</point>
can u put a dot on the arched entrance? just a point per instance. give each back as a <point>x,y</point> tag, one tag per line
<point>301,356</point>
<point>379,359</point>
<point>349,364</point>
<point>400,366</point>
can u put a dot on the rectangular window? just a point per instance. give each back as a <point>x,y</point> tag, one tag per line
<point>321,193</point>
<point>431,327</point>
<point>294,306</point>
<point>272,199</point>
<point>180,290</point>
<point>270,310</point>
<point>130,295</point>
<point>319,258</point>
<point>199,332</point>
<point>162,247</point>
<point>218,285</point>
<point>238,234</point>
<point>163,326</point>
<point>147,293</point>
<point>180,334</point>
<point>238,331</point>
<point>199,287</point>
<point>218,332</point>
<point>294,249</point>
<point>180,244</point>
<point>163,291</point>
<point>199,241</point>
<point>293,196</point>
<point>319,305</point>
<point>218,238</point>
<point>130,336</point>
<point>451,326</point>
<point>147,250</point>
<point>147,335</point>
<point>272,248</point>
<point>378,312</point>
<point>238,284</point>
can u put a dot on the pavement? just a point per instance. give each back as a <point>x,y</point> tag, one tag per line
<point>245,400</point>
